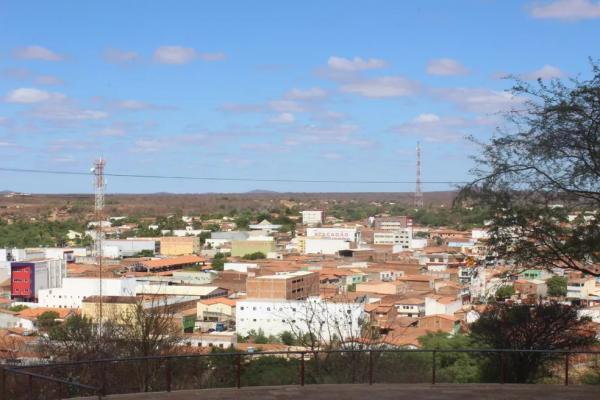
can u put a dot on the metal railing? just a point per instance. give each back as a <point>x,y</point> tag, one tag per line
<point>233,369</point>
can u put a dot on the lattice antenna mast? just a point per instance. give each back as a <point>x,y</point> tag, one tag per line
<point>418,193</point>
<point>99,184</point>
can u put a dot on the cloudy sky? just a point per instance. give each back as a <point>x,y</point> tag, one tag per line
<point>309,90</point>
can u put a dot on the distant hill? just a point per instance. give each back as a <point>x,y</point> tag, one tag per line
<point>261,191</point>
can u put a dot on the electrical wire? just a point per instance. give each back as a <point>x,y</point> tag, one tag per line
<point>238,179</point>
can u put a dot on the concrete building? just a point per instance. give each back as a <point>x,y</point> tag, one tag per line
<point>531,288</point>
<point>29,277</point>
<point>213,311</point>
<point>312,217</point>
<point>580,288</point>
<point>324,319</point>
<point>411,307</point>
<point>75,290</point>
<point>265,226</point>
<point>442,305</point>
<point>401,237</point>
<point>118,248</point>
<point>348,234</point>
<point>179,246</point>
<point>240,267</point>
<point>391,222</point>
<point>317,245</point>
<point>242,248</point>
<point>289,286</point>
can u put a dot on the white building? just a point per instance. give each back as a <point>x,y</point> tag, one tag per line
<point>318,245</point>
<point>116,248</point>
<point>312,217</point>
<point>324,319</point>
<point>401,237</point>
<point>349,234</point>
<point>75,290</point>
<point>239,267</point>
<point>442,305</point>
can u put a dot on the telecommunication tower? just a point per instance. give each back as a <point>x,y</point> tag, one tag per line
<point>418,193</point>
<point>99,183</point>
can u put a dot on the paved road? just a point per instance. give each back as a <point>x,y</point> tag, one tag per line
<point>380,392</point>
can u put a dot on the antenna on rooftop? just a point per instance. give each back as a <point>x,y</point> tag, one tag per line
<point>99,184</point>
<point>418,193</point>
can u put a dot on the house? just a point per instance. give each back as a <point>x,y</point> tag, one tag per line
<point>533,288</point>
<point>410,307</point>
<point>440,322</point>
<point>441,305</point>
<point>212,311</point>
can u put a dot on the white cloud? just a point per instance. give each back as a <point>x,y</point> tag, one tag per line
<point>479,100</point>
<point>285,106</point>
<point>283,118</point>
<point>135,105</point>
<point>110,131</point>
<point>569,10</point>
<point>354,64</point>
<point>446,66</point>
<point>387,86</point>
<point>148,145</point>
<point>37,53</point>
<point>426,118</point>
<point>305,94</point>
<point>433,128</point>
<point>546,72</point>
<point>117,56</point>
<point>175,55</point>
<point>32,95</point>
<point>67,113</point>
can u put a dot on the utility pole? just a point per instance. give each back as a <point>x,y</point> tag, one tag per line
<point>418,193</point>
<point>99,183</point>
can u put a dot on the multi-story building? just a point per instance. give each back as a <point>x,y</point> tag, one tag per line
<point>391,223</point>
<point>289,286</point>
<point>348,234</point>
<point>29,277</point>
<point>75,290</point>
<point>402,237</point>
<point>326,320</point>
<point>318,245</point>
<point>312,217</point>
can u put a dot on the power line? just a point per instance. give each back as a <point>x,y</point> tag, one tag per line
<point>225,179</point>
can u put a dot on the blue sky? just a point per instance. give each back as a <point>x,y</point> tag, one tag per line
<point>270,89</point>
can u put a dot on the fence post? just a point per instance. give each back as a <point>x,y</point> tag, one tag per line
<point>370,367</point>
<point>433,367</point>
<point>567,369</point>
<point>3,389</point>
<point>103,380</point>
<point>302,369</point>
<point>30,382</point>
<point>502,367</point>
<point>168,373</point>
<point>238,373</point>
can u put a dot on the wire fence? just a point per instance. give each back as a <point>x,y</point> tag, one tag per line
<point>229,370</point>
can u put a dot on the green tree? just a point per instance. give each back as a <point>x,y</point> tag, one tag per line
<point>551,326</point>
<point>504,292</point>
<point>218,262</point>
<point>288,338</point>
<point>47,320</point>
<point>17,308</point>
<point>453,367</point>
<point>255,256</point>
<point>538,171</point>
<point>557,286</point>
